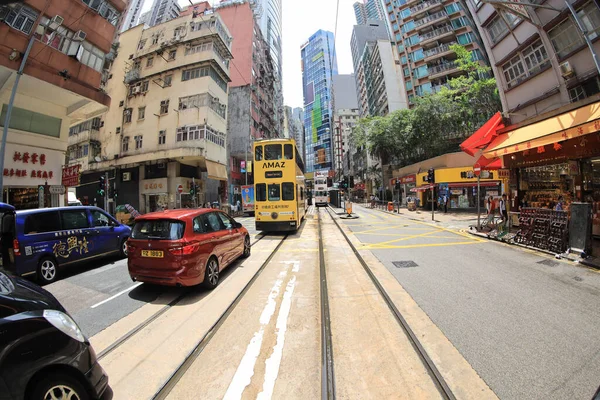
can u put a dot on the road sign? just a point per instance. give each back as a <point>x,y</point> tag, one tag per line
<point>57,189</point>
<point>477,169</point>
<point>179,189</point>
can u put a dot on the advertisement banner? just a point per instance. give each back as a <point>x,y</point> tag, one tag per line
<point>70,175</point>
<point>248,197</point>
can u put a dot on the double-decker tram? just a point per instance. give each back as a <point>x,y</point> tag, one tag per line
<point>320,193</point>
<point>279,190</point>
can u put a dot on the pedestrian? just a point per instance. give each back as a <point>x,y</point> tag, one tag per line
<point>524,202</point>
<point>502,208</point>
<point>445,200</point>
<point>490,207</point>
<point>559,204</point>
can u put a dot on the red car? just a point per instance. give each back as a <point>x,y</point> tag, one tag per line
<point>185,247</point>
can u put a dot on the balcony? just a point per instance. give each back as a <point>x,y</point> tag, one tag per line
<point>442,69</point>
<point>438,88</point>
<point>430,19</point>
<point>84,136</point>
<point>427,5</point>
<point>436,34</point>
<point>132,75</point>
<point>438,51</point>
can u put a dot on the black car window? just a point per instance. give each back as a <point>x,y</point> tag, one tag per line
<point>74,219</point>
<point>100,219</point>
<point>198,225</point>
<point>161,229</point>
<point>212,223</point>
<point>226,221</point>
<point>42,222</point>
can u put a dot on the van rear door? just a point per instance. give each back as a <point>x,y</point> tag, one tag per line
<point>7,235</point>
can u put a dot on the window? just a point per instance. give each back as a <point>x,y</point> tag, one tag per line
<point>194,73</point>
<point>141,113</point>
<point>421,71</point>
<point>158,229</point>
<point>274,192</point>
<point>178,32</point>
<point>206,46</point>
<point>530,61</point>
<point>577,93</point>
<point>125,144</point>
<point>261,192</point>
<point>127,114</point>
<point>162,137</point>
<point>258,153</point>
<point>155,39</point>
<point>168,80</point>
<point>288,190</point>
<point>403,59</point>
<point>118,130</point>
<point>228,223</point>
<point>198,225</point>
<point>100,219</point>
<point>86,149</point>
<point>496,29</point>
<point>42,222</point>
<point>414,39</point>
<point>212,223</point>
<point>30,121</point>
<point>107,11</point>
<point>405,13</point>
<point>288,152</point>
<point>586,89</point>
<point>172,54</point>
<point>149,62</point>
<point>409,26</point>
<point>511,19</point>
<point>144,86</point>
<point>565,37</point>
<point>409,85</point>
<point>138,142</point>
<point>74,219</point>
<point>164,107</point>
<point>19,17</point>
<point>465,38</point>
<point>141,44</point>
<point>406,71</point>
<point>417,55</point>
<point>398,37</point>
<point>273,152</point>
<point>452,8</point>
<point>458,22</point>
<point>589,15</point>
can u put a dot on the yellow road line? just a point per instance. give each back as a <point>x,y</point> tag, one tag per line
<point>410,246</point>
<point>409,237</point>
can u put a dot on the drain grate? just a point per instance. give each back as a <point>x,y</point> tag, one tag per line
<point>405,264</point>
<point>578,278</point>
<point>548,263</point>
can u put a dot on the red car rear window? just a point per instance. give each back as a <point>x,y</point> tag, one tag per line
<point>163,229</point>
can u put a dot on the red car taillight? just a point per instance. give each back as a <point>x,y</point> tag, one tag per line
<point>16,248</point>
<point>185,250</point>
<point>130,247</point>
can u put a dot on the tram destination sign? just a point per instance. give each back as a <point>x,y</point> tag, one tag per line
<point>273,174</point>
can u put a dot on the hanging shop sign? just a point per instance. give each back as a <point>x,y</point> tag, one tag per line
<point>408,179</point>
<point>503,173</point>
<point>70,175</point>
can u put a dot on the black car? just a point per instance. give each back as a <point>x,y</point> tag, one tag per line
<point>43,353</point>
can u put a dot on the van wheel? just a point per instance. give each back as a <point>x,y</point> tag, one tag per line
<point>59,386</point>
<point>47,270</point>
<point>123,248</point>
<point>211,274</point>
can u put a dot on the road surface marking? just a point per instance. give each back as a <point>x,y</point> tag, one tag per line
<point>117,295</point>
<point>411,246</point>
<point>245,371</point>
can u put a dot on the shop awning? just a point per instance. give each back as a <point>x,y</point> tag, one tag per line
<point>489,164</point>
<point>472,184</point>
<point>483,136</point>
<point>216,171</point>
<point>572,124</point>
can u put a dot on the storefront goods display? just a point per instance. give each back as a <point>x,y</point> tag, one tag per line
<point>544,229</point>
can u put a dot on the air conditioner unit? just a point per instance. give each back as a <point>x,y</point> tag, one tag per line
<point>55,22</point>
<point>566,70</point>
<point>126,176</point>
<point>162,165</point>
<point>135,90</point>
<point>79,36</point>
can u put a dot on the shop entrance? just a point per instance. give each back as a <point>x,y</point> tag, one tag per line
<point>157,202</point>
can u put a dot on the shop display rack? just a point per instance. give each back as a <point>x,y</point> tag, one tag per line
<point>543,228</point>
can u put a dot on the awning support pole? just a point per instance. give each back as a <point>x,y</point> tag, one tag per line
<point>478,204</point>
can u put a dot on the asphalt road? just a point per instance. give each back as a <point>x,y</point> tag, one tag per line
<point>99,293</point>
<point>528,324</point>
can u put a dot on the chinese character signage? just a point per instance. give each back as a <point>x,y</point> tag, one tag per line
<point>31,166</point>
<point>70,175</point>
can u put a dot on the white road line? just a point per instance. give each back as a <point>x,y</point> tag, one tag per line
<point>116,295</point>
<point>274,361</point>
<point>245,371</point>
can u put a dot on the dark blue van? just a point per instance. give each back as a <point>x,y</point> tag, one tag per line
<point>39,241</point>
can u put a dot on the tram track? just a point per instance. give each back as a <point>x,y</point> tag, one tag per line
<point>426,360</point>
<point>124,338</point>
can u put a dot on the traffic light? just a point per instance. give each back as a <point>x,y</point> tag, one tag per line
<point>351,181</point>
<point>115,193</point>
<point>431,175</point>
<point>193,189</point>
<point>344,182</point>
<point>101,185</point>
<point>398,184</point>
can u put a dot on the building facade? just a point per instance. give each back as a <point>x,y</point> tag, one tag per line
<point>372,31</point>
<point>374,10</point>
<point>345,116</point>
<point>319,65</point>
<point>423,32</point>
<point>298,130</point>
<point>166,128</point>
<point>60,86</point>
<point>145,18</point>
<point>163,11</point>
<point>360,13</point>
<point>132,16</point>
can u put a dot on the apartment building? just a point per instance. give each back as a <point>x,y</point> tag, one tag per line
<point>345,117</point>
<point>132,15</point>
<point>60,86</point>
<point>163,11</point>
<point>166,128</point>
<point>423,32</point>
<point>319,65</point>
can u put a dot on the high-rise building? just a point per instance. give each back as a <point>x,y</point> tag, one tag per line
<point>423,32</point>
<point>372,31</point>
<point>163,11</point>
<point>132,16</point>
<point>319,65</point>
<point>360,13</point>
<point>374,10</point>
<point>345,117</point>
<point>60,86</point>
<point>298,123</point>
<point>145,18</point>
<point>167,124</point>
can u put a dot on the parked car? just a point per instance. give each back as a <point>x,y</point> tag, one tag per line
<point>44,354</point>
<point>185,247</point>
<point>40,241</point>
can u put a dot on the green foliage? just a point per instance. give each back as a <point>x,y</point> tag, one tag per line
<point>438,122</point>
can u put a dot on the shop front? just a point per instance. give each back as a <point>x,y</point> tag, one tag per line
<point>32,177</point>
<point>407,183</point>
<point>459,185</point>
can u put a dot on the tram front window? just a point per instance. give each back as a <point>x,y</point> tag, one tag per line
<point>274,192</point>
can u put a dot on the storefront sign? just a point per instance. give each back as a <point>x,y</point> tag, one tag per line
<point>70,175</point>
<point>408,179</point>
<point>57,189</point>
<point>503,173</point>
<point>31,166</point>
<point>152,186</point>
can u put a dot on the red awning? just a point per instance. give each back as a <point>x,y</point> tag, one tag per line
<point>472,184</point>
<point>421,188</point>
<point>490,164</point>
<point>483,136</point>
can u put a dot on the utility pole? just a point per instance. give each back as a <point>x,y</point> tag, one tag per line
<point>106,191</point>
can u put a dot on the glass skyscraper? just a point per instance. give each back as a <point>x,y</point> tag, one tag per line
<point>319,64</point>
